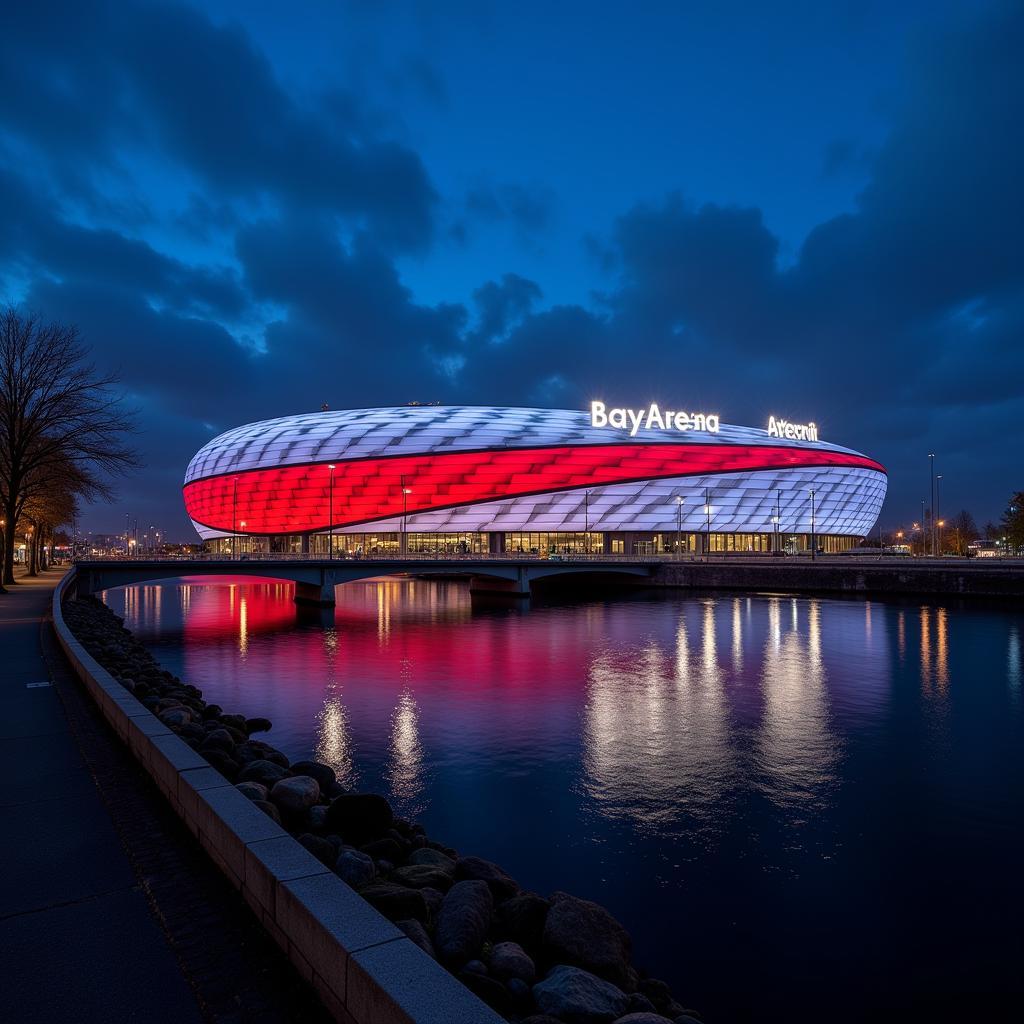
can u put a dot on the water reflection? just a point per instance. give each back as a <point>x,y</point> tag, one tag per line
<point>737,764</point>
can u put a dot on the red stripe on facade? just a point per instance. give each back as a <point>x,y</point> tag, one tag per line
<point>296,499</point>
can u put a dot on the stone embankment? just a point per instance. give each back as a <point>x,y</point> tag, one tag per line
<point>534,960</point>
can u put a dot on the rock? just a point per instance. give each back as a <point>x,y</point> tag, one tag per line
<point>434,898</point>
<point>510,960</point>
<point>519,991</point>
<point>477,869</point>
<point>490,990</point>
<point>253,790</point>
<point>415,930</point>
<point>644,1017</point>
<point>212,711</point>
<point>463,921</point>
<point>269,809</point>
<point>579,997</point>
<point>656,990</point>
<point>359,817</point>
<point>270,754</point>
<point>235,721</point>
<point>355,868</point>
<point>265,772</point>
<point>320,848</point>
<point>395,902</point>
<point>316,817</point>
<point>219,739</point>
<point>295,795</point>
<point>257,725</point>
<point>639,1003</point>
<point>435,858</point>
<point>226,765</point>
<point>323,773</point>
<point>475,967</point>
<point>383,849</point>
<point>175,717</point>
<point>583,934</point>
<point>420,876</point>
<point>521,919</point>
<point>246,752</point>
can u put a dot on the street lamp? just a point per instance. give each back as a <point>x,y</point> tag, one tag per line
<point>941,524</point>
<point>707,529</point>
<point>814,545</point>
<point>330,514</point>
<point>586,522</point>
<point>234,517</point>
<point>241,526</point>
<point>406,491</point>
<point>679,525</point>
<point>777,518</point>
<point>938,505</point>
<point>931,468</point>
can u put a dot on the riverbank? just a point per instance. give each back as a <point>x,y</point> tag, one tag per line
<point>962,578</point>
<point>559,957</point>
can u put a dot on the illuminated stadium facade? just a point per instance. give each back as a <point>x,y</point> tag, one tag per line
<point>470,479</point>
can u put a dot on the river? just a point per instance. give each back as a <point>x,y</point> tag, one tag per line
<point>802,808</point>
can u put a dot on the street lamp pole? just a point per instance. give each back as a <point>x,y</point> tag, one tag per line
<point>679,525</point>
<point>127,524</point>
<point>707,531</point>
<point>234,517</point>
<point>938,506</point>
<point>406,491</point>
<point>586,522</point>
<point>778,518</point>
<point>330,514</point>
<point>931,469</point>
<point>814,544</point>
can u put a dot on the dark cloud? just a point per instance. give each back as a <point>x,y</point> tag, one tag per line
<point>898,326</point>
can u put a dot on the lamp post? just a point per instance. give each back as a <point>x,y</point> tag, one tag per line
<point>234,517</point>
<point>406,491</point>
<point>586,522</point>
<point>814,545</point>
<point>241,526</point>
<point>127,524</point>
<point>941,523</point>
<point>931,469</point>
<point>707,528</point>
<point>3,550</point>
<point>938,505</point>
<point>778,518</point>
<point>330,514</point>
<point>679,525</point>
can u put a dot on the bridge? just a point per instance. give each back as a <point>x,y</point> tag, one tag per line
<point>316,578</point>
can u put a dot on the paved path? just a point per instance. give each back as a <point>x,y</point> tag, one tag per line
<point>109,910</point>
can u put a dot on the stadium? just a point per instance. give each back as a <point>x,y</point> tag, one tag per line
<point>481,480</point>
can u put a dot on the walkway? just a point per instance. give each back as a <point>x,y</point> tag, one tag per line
<point>108,908</point>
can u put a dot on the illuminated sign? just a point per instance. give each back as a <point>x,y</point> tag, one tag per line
<point>651,418</point>
<point>792,431</point>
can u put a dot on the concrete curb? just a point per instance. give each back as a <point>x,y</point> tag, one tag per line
<point>365,970</point>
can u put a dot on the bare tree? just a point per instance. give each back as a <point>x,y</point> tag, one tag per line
<point>62,424</point>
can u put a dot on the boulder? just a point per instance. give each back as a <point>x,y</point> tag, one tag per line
<point>354,867</point>
<point>519,991</point>
<point>583,934</point>
<point>490,990</point>
<point>510,960</point>
<point>476,967</point>
<point>433,898</point>
<point>435,858</point>
<point>268,809</point>
<point>643,1017</point>
<point>323,773</point>
<point>320,848</point>
<point>316,817</point>
<point>359,817</point>
<point>395,902</point>
<point>639,1003</point>
<point>224,763</point>
<point>383,849</point>
<point>295,795</point>
<point>257,725</point>
<point>265,772</point>
<point>219,739</point>
<point>415,930</point>
<point>463,921</point>
<point>421,876</point>
<point>476,869</point>
<point>579,997</point>
<point>656,990</point>
<point>253,790</point>
<point>521,919</point>
<point>175,717</point>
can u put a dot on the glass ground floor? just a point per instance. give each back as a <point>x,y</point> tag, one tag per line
<point>441,544</point>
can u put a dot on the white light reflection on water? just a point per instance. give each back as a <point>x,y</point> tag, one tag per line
<point>656,732</point>
<point>405,770</point>
<point>798,751</point>
<point>334,744</point>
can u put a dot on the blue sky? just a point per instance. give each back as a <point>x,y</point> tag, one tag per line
<point>802,209</point>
